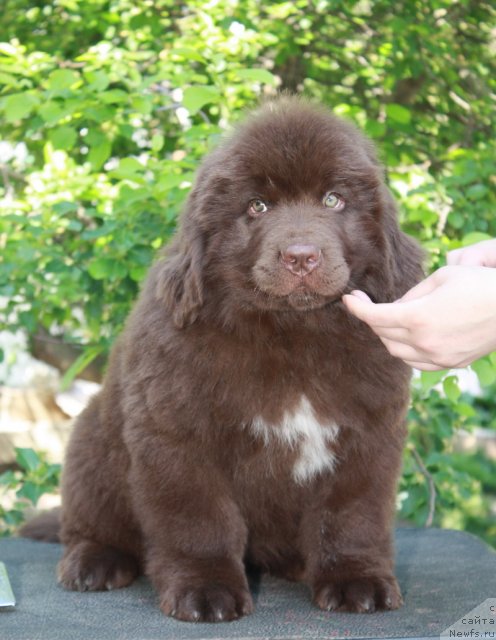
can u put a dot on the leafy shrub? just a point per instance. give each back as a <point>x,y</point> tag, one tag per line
<point>34,478</point>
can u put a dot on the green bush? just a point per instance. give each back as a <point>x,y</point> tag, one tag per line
<point>33,478</point>
<point>107,106</point>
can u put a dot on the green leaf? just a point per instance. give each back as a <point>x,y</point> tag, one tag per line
<point>8,478</point>
<point>100,113</point>
<point>170,181</point>
<point>486,372</point>
<point>131,165</point>
<point>86,358</point>
<point>374,128</point>
<point>63,207</point>
<point>142,104</point>
<point>187,53</point>
<point>466,410</point>
<point>128,168</point>
<point>56,266</point>
<point>103,268</point>
<point>27,458</point>
<point>7,79</point>
<point>14,518</point>
<point>398,113</point>
<point>53,472</point>
<point>99,268</point>
<point>62,79</point>
<point>31,491</point>
<point>99,154</point>
<point>130,195</point>
<point>194,98</point>
<point>114,96</point>
<point>94,137</point>
<point>98,80</point>
<point>429,379</point>
<point>18,106</point>
<point>157,142</point>
<point>74,225</point>
<point>51,112</point>
<point>477,191</point>
<point>451,388</point>
<point>63,138</point>
<point>137,273</point>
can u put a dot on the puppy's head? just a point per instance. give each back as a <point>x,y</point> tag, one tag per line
<point>288,214</point>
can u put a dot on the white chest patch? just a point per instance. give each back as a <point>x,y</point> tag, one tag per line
<point>301,430</point>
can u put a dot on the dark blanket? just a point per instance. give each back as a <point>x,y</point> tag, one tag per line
<point>443,575</point>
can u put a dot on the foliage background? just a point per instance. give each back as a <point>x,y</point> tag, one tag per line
<point>107,106</point>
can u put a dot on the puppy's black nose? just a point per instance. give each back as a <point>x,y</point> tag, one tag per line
<point>301,259</point>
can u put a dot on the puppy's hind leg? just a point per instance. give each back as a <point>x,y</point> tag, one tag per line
<point>102,540</point>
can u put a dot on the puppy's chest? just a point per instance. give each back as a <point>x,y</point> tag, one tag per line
<point>300,436</point>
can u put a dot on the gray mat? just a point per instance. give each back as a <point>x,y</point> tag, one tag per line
<point>443,575</point>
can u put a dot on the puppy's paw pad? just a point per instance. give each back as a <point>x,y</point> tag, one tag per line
<point>208,603</point>
<point>88,566</point>
<point>358,595</point>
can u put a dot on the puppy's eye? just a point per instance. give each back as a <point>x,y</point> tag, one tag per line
<point>257,207</point>
<point>333,200</point>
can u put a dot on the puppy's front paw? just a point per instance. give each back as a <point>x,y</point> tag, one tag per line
<point>88,566</point>
<point>207,603</point>
<point>359,595</point>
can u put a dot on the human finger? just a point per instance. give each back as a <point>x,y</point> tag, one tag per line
<point>464,258</point>
<point>403,351</point>
<point>454,257</point>
<point>423,288</point>
<point>375,315</point>
<point>362,295</point>
<point>395,334</point>
<point>481,254</point>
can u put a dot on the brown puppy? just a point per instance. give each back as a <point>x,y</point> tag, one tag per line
<point>246,416</point>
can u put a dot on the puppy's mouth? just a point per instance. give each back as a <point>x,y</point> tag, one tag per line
<point>299,282</point>
<point>298,300</point>
<point>304,300</point>
<point>276,288</point>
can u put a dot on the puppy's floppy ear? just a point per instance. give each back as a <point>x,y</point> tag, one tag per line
<point>180,275</point>
<point>404,257</point>
<point>179,281</point>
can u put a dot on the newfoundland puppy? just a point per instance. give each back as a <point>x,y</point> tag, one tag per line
<point>246,416</point>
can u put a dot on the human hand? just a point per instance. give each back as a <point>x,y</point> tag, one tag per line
<point>482,254</point>
<point>448,320</point>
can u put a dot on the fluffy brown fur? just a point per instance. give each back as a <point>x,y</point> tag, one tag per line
<point>246,416</point>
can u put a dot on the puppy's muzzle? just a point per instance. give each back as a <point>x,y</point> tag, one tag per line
<point>301,259</point>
